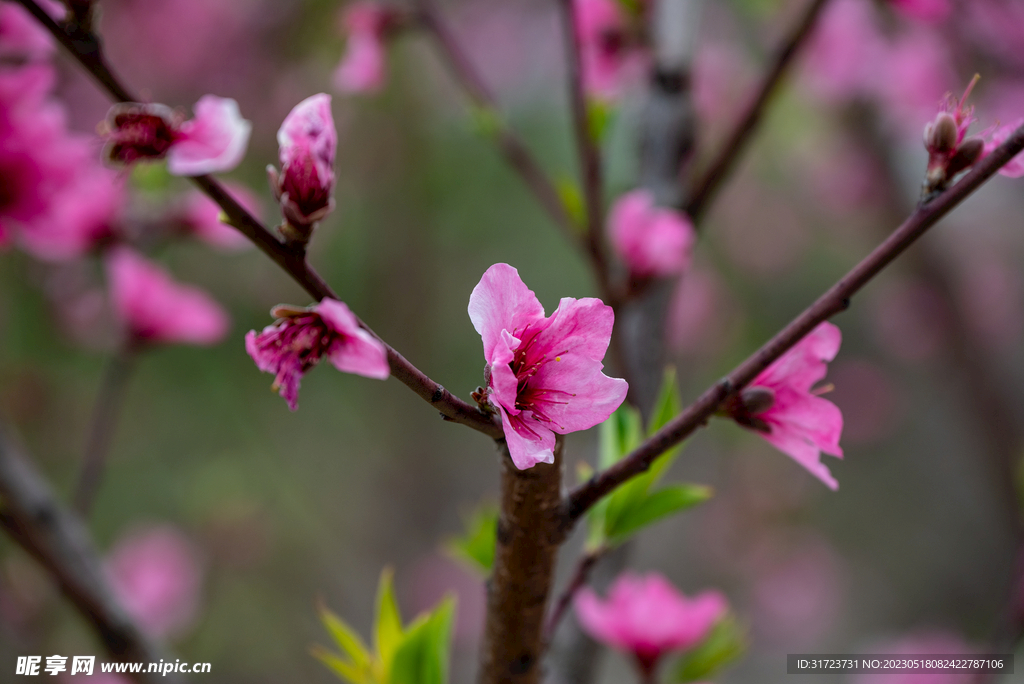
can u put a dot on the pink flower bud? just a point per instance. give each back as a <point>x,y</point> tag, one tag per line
<point>651,240</point>
<point>215,140</point>
<point>305,185</point>
<point>1015,167</point>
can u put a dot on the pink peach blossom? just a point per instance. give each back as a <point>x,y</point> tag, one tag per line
<point>156,575</point>
<point>307,141</point>
<point>362,68</point>
<point>58,200</point>
<point>544,373</point>
<point>781,406</point>
<point>301,337</point>
<point>213,141</point>
<point>21,36</point>
<point>651,240</point>
<point>201,216</point>
<point>844,51</point>
<point>608,58</point>
<point>1015,167</point>
<point>646,616</point>
<point>923,10</point>
<point>154,308</point>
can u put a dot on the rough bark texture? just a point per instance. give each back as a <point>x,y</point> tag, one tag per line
<point>524,563</point>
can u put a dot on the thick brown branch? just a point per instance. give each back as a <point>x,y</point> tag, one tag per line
<point>58,539</point>
<point>524,563</point>
<point>292,261</point>
<point>836,299</point>
<point>709,183</point>
<point>515,151</point>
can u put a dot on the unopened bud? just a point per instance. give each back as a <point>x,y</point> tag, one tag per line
<point>940,135</point>
<point>757,399</point>
<point>288,311</point>
<point>968,153</point>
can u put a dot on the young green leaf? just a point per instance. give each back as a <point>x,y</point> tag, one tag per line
<point>476,546</point>
<point>726,643</point>
<point>344,669</point>
<point>346,638</point>
<point>653,507</point>
<point>388,629</point>
<point>422,656</point>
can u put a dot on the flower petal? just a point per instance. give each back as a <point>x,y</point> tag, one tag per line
<point>573,393</point>
<point>501,301</point>
<point>356,351</point>
<point>215,140</point>
<point>529,442</point>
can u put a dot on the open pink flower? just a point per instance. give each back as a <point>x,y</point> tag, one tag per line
<point>200,215</point>
<point>301,337</point>
<point>781,406</point>
<point>215,140</point>
<point>607,49</point>
<point>154,308</point>
<point>544,373</point>
<point>305,185</point>
<point>157,577</point>
<point>646,616</point>
<point>653,241</point>
<point>362,68</point>
<point>1015,167</point>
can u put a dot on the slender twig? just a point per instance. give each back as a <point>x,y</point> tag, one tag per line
<point>109,402</point>
<point>511,146</point>
<point>836,299</point>
<point>59,540</point>
<point>291,259</point>
<point>579,578</point>
<point>586,146</point>
<point>709,183</point>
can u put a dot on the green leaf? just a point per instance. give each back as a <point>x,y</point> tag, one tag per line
<point>347,639</point>
<point>726,643</point>
<point>344,669</point>
<point>388,631</point>
<point>476,546</point>
<point>654,507</point>
<point>422,657</point>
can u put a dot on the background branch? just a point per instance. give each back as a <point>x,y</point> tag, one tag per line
<point>59,540</point>
<point>833,301</point>
<point>718,170</point>
<point>515,151</point>
<point>291,260</point>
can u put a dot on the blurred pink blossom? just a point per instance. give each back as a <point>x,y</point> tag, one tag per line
<point>782,407</point>
<point>913,74</point>
<point>652,241</point>
<point>156,574</point>
<point>307,140</point>
<point>722,74</point>
<point>154,308</point>
<point>1015,167</point>
<point>57,200</point>
<point>301,337</point>
<point>701,315</point>
<point>844,51</point>
<point>991,297</point>
<point>923,10</point>
<point>997,27</point>
<point>798,589</point>
<point>363,67</point>
<point>21,36</point>
<point>544,374</point>
<point>213,141</point>
<point>201,216</point>
<point>607,55</point>
<point>644,615</point>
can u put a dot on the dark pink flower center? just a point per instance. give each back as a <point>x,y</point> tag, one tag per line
<point>525,364</point>
<point>301,181</point>
<point>140,135</point>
